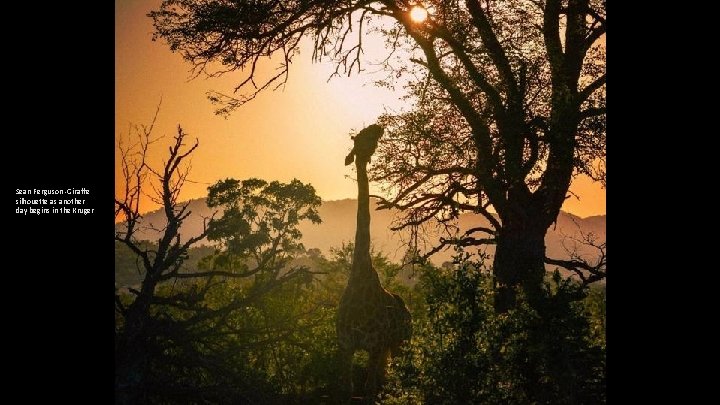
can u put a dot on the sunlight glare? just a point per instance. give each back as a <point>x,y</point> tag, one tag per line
<point>418,14</point>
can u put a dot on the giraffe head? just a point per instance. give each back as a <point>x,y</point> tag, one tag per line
<point>365,144</point>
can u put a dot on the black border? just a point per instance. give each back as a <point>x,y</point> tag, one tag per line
<point>60,92</point>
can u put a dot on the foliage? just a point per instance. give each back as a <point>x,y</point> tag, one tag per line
<point>203,331</point>
<point>187,331</point>
<point>259,224</point>
<point>129,271</point>
<point>464,352</point>
<point>595,309</point>
<point>509,103</point>
<point>281,348</point>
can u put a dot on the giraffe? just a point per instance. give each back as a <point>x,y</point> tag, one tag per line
<point>369,318</point>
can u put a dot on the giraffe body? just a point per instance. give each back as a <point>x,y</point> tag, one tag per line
<point>369,318</point>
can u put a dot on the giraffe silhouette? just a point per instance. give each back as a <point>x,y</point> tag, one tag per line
<point>369,318</point>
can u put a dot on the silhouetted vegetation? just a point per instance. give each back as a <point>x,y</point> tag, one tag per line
<point>509,104</point>
<point>129,271</point>
<point>467,353</point>
<point>508,107</point>
<point>251,319</point>
<point>281,347</point>
<point>185,332</point>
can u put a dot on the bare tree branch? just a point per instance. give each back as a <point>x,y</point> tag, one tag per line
<point>588,271</point>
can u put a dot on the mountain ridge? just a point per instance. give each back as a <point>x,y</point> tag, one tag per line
<point>338,227</point>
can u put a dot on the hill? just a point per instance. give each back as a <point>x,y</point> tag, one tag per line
<point>338,226</point>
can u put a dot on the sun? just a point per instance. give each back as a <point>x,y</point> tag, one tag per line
<point>418,14</point>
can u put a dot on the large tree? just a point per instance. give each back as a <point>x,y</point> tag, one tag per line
<point>510,101</point>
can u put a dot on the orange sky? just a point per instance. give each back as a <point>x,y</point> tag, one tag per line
<point>299,132</point>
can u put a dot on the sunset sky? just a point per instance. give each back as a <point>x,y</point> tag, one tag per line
<point>301,131</point>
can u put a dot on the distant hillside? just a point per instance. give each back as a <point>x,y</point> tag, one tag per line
<point>338,226</point>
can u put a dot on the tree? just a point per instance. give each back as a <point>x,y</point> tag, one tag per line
<point>466,353</point>
<point>159,262</point>
<point>177,334</point>
<point>510,102</point>
<point>257,233</point>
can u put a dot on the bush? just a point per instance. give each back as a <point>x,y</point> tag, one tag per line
<point>463,352</point>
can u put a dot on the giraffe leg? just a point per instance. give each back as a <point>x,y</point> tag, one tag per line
<point>345,388</point>
<point>377,363</point>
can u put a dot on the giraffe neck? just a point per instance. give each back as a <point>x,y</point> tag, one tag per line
<point>362,269</point>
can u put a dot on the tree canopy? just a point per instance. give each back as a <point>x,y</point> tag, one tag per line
<point>176,328</point>
<point>509,101</point>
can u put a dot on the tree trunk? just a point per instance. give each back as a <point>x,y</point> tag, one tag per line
<point>519,261</point>
<point>130,352</point>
